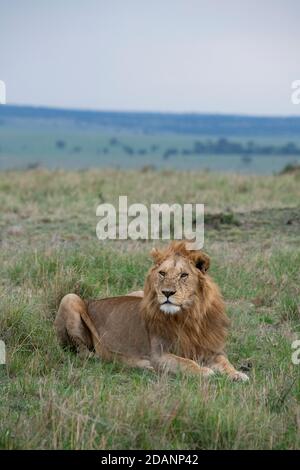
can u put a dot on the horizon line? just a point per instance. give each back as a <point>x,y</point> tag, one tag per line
<point>132,111</point>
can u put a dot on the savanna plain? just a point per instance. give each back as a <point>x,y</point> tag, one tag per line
<point>53,399</point>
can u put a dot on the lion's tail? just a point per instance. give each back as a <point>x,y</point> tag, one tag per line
<point>90,324</point>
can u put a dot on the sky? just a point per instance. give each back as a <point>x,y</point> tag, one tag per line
<point>206,56</point>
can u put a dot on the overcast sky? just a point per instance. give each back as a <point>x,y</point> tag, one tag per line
<point>229,56</point>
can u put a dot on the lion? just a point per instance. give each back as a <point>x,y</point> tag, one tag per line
<point>178,323</point>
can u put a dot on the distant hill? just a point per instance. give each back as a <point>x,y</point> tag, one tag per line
<point>32,137</point>
<point>192,124</point>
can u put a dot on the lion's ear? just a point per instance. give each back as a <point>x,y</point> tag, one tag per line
<point>156,255</point>
<point>202,261</point>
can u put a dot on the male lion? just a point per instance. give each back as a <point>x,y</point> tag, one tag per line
<point>178,324</point>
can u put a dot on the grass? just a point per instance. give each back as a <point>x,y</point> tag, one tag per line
<point>52,399</point>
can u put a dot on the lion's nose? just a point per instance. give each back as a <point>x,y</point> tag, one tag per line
<point>168,292</point>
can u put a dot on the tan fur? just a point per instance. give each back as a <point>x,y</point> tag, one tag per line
<point>179,324</point>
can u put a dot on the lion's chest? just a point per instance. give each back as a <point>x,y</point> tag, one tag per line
<point>184,348</point>
<point>185,341</point>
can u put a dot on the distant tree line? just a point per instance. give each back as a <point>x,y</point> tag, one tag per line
<point>221,146</point>
<point>224,146</point>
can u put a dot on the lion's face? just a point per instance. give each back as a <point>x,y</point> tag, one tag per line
<point>176,280</point>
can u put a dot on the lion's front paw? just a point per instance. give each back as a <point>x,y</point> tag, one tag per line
<point>239,377</point>
<point>144,364</point>
<point>207,372</point>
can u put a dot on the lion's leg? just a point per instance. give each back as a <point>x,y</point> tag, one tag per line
<point>136,362</point>
<point>70,329</point>
<point>136,293</point>
<point>221,364</point>
<point>172,363</point>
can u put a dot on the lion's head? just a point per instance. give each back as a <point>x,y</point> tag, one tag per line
<point>176,276</point>
<point>182,303</point>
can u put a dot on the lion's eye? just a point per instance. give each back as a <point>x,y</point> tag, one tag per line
<point>162,273</point>
<point>183,275</point>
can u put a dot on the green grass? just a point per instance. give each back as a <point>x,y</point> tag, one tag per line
<point>52,399</point>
